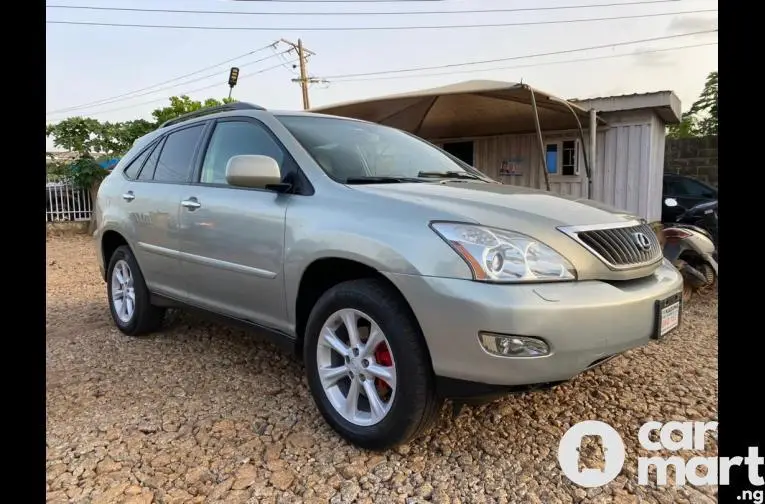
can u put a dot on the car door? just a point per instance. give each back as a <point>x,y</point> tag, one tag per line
<point>151,197</point>
<point>233,238</point>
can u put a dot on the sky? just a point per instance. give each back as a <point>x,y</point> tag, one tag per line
<point>117,73</point>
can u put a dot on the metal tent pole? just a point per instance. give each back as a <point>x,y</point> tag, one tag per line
<point>593,148</point>
<point>593,137</point>
<point>542,151</point>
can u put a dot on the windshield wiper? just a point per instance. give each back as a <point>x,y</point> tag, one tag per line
<point>380,180</point>
<point>449,174</point>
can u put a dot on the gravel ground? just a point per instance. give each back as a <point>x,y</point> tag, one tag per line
<point>206,413</point>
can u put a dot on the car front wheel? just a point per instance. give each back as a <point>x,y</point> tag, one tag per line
<point>368,366</point>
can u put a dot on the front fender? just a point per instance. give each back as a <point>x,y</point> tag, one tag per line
<point>382,255</point>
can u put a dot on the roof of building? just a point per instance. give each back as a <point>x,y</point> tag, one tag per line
<point>666,104</point>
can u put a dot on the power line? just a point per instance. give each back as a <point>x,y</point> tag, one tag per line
<point>189,91</point>
<point>497,60</point>
<point>529,65</point>
<point>378,28</point>
<point>372,13</point>
<point>116,97</point>
<point>165,88</point>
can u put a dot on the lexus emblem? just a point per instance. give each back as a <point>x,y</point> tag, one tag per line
<point>642,240</point>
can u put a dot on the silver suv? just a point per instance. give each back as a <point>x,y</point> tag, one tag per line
<point>402,275</point>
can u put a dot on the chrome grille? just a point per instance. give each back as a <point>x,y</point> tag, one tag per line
<point>620,247</point>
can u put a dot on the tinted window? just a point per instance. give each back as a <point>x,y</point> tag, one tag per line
<point>135,166</point>
<point>151,164</point>
<point>174,163</point>
<point>235,138</point>
<point>691,188</point>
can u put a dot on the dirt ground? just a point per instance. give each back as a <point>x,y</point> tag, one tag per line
<point>206,413</point>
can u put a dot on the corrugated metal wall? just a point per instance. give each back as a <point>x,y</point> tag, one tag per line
<point>490,152</point>
<point>627,173</point>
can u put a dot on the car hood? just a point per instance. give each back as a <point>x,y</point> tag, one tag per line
<point>538,214</point>
<point>501,205</point>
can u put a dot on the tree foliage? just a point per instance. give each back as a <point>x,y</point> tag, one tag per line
<point>76,134</point>
<point>84,134</point>
<point>86,173</point>
<point>701,119</point>
<point>180,105</point>
<point>686,129</point>
<point>116,138</point>
<point>705,108</point>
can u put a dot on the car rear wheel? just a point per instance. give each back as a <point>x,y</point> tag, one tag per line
<point>368,366</point>
<point>129,298</point>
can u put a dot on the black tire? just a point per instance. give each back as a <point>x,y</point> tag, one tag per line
<point>146,317</point>
<point>415,404</point>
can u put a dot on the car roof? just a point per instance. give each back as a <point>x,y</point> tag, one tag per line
<point>308,113</point>
<point>243,108</point>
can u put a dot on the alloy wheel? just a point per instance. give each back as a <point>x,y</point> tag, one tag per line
<point>356,367</point>
<point>123,291</point>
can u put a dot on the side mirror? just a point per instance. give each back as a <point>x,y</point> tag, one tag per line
<point>253,171</point>
<point>670,202</point>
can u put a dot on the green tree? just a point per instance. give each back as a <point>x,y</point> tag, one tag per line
<point>116,139</point>
<point>78,134</point>
<point>701,119</point>
<point>686,128</point>
<point>705,108</point>
<point>180,105</point>
<point>87,174</point>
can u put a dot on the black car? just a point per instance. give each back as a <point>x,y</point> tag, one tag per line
<point>687,191</point>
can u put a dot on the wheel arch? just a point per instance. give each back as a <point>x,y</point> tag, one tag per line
<point>110,241</point>
<point>323,274</point>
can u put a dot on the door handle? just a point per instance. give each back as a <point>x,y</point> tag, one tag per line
<point>191,203</point>
<point>128,196</point>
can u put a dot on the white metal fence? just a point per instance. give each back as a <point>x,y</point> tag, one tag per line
<point>65,202</point>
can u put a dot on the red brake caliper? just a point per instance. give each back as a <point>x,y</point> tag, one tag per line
<point>382,357</point>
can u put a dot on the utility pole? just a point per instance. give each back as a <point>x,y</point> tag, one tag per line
<point>304,79</point>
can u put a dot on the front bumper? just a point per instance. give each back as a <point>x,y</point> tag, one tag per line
<point>582,322</point>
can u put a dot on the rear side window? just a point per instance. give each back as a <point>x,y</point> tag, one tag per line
<point>134,167</point>
<point>174,164</point>
<point>151,164</point>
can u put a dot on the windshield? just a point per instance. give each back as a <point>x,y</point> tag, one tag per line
<point>353,151</point>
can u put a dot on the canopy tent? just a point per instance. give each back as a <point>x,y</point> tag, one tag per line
<point>466,109</point>
<point>470,109</point>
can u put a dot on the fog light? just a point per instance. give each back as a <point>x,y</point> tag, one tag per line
<point>506,345</point>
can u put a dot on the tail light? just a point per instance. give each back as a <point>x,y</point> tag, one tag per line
<point>676,234</point>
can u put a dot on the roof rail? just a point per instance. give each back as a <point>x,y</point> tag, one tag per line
<point>212,110</point>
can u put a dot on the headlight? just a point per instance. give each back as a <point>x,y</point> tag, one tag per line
<point>496,255</point>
